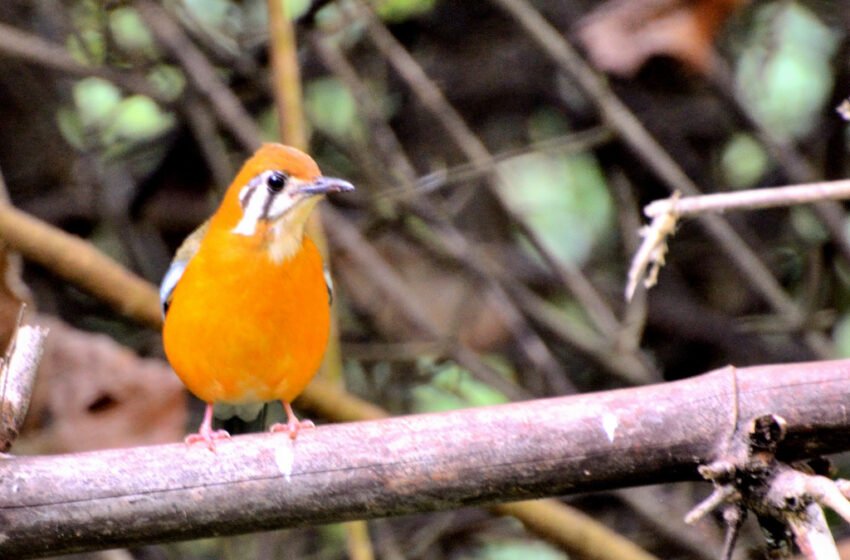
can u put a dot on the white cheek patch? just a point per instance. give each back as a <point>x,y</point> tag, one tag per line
<point>278,206</point>
<point>258,203</point>
<point>251,212</point>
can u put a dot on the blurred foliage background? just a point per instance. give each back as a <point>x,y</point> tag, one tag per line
<point>505,207</point>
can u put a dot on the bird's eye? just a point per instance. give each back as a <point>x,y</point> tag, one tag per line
<point>276,181</point>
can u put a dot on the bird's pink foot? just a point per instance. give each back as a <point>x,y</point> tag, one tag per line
<point>205,433</point>
<point>293,424</point>
<point>209,438</point>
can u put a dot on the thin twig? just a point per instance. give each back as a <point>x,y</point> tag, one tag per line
<point>212,147</point>
<point>630,129</point>
<point>470,145</point>
<point>287,76</point>
<point>637,309</point>
<point>400,168</point>
<point>357,540</point>
<point>828,493</point>
<point>751,199</point>
<point>811,533</point>
<point>347,238</point>
<point>577,142</point>
<point>19,44</point>
<point>445,240</point>
<point>652,252</point>
<point>597,541</point>
<point>666,213</point>
<point>201,73</point>
<point>796,167</point>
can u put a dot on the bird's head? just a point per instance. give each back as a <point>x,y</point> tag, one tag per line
<point>276,188</point>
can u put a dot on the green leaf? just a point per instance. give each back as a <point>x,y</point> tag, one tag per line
<point>96,100</point>
<point>808,226</point>
<point>395,11</point>
<point>784,71</point>
<point>168,80</point>
<point>453,387</point>
<point>87,47</point>
<point>332,109</point>
<point>130,32</point>
<point>841,336</point>
<point>210,13</point>
<point>138,118</point>
<point>743,162</point>
<point>517,550</point>
<point>563,198</point>
<point>269,124</point>
<point>71,127</point>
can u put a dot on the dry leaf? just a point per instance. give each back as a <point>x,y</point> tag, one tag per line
<point>621,35</point>
<point>93,393</point>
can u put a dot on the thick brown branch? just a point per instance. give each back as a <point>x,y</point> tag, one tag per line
<point>80,263</point>
<point>416,463</point>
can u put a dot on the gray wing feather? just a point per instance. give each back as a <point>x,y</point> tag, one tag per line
<point>181,260</point>
<point>329,282</point>
<point>169,282</point>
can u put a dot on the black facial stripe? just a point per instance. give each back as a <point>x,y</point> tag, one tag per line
<point>267,204</point>
<point>246,195</point>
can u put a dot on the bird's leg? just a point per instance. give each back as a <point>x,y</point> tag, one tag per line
<point>293,424</point>
<point>205,433</point>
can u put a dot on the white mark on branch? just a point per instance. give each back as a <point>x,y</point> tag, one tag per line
<point>284,456</point>
<point>610,424</point>
<point>3,538</point>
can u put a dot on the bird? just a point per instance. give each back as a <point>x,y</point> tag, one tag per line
<point>246,299</point>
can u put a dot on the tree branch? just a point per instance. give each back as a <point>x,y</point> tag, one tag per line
<point>750,199</point>
<point>201,73</point>
<point>60,504</point>
<point>17,379</point>
<point>77,261</point>
<point>32,48</point>
<point>635,135</point>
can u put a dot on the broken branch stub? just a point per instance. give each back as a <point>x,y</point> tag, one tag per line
<point>17,379</point>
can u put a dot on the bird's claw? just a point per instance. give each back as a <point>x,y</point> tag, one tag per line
<point>208,437</point>
<point>293,426</point>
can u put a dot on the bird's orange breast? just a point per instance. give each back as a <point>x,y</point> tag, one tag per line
<point>242,328</point>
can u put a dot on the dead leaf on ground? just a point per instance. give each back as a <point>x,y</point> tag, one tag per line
<point>621,35</point>
<point>93,393</point>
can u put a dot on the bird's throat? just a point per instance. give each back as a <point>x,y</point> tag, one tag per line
<point>283,241</point>
<point>285,236</point>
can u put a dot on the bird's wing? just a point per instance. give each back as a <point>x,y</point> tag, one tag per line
<point>181,260</point>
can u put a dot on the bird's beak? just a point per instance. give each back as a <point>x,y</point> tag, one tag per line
<point>325,185</point>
